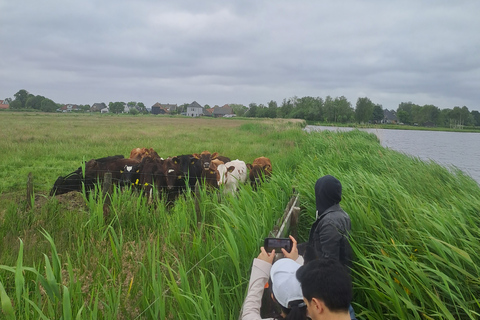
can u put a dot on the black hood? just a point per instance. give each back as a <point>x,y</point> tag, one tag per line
<point>328,191</point>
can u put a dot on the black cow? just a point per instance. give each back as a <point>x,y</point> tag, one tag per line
<point>94,171</point>
<point>191,168</point>
<point>151,176</point>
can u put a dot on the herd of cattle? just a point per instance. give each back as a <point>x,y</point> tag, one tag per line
<point>146,171</point>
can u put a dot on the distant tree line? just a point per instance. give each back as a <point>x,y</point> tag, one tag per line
<point>340,110</point>
<point>314,109</point>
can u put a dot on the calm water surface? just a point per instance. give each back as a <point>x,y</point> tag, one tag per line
<point>459,149</point>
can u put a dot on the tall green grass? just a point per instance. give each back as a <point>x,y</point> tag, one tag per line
<point>415,225</point>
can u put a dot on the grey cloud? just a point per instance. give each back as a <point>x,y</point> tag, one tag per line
<point>249,51</point>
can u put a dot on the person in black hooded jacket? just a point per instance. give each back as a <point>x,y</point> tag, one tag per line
<point>329,233</point>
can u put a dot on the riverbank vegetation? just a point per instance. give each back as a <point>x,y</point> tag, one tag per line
<point>415,224</point>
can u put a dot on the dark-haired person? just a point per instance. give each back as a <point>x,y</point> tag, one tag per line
<point>329,233</point>
<point>327,290</point>
<point>285,286</point>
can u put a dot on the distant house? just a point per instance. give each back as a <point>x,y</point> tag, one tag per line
<point>194,110</point>
<point>222,111</point>
<point>170,108</point>
<point>4,104</point>
<point>389,117</point>
<point>97,107</point>
<point>157,109</point>
<point>104,110</point>
<point>68,108</point>
<point>208,112</point>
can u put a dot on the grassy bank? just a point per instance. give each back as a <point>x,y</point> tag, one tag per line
<point>415,225</point>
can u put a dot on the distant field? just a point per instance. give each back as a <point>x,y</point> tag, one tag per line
<point>415,225</point>
<point>50,145</point>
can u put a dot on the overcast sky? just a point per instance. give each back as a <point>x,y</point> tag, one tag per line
<point>218,52</point>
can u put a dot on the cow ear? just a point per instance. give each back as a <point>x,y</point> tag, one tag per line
<point>121,171</point>
<point>175,160</point>
<point>138,171</point>
<point>214,155</point>
<point>196,156</point>
<point>230,169</point>
<point>249,166</point>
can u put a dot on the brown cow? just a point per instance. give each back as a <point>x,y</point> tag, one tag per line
<point>260,168</point>
<point>215,163</point>
<point>205,158</point>
<point>140,153</point>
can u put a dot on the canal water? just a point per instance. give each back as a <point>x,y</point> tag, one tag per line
<point>459,149</point>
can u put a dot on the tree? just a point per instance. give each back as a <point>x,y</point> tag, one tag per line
<point>272,109</point>
<point>329,110</point>
<point>429,114</point>
<point>476,117</point>
<point>84,107</point>
<point>252,110</point>
<point>16,104</point>
<point>141,107</point>
<point>8,100</point>
<point>238,109</point>
<point>48,105</point>
<point>404,112</point>
<point>206,106</point>
<point>364,110</point>
<point>116,107</point>
<point>21,96</point>
<point>377,114</point>
<point>285,109</point>
<point>262,111</point>
<point>34,102</point>
<point>344,110</point>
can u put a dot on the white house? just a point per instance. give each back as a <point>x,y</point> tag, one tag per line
<point>194,109</point>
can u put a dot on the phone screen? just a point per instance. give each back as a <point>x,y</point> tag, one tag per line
<point>278,244</point>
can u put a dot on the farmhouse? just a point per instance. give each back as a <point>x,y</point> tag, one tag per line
<point>219,112</point>
<point>4,104</point>
<point>389,116</point>
<point>159,108</point>
<point>68,108</point>
<point>194,110</point>
<point>97,107</point>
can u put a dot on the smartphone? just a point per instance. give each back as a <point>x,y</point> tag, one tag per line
<point>278,243</point>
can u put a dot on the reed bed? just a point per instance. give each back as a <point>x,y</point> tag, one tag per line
<point>415,224</point>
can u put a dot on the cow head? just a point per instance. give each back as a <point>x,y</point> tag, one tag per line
<point>173,172</point>
<point>130,174</point>
<point>205,158</point>
<point>222,173</point>
<point>71,182</point>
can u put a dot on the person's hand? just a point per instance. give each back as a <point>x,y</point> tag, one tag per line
<point>265,256</point>
<point>293,254</point>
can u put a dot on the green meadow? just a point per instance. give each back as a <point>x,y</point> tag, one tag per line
<point>415,224</point>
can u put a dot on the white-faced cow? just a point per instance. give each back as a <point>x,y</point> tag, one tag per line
<point>231,174</point>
